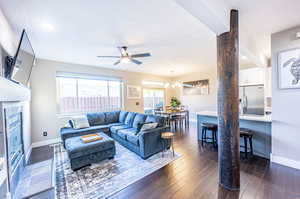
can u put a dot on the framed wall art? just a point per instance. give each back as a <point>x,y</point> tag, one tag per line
<point>134,92</point>
<point>199,87</point>
<point>289,69</point>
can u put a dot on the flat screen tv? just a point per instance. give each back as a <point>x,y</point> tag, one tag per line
<point>22,62</point>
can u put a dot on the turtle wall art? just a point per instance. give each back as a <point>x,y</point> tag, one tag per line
<point>289,69</point>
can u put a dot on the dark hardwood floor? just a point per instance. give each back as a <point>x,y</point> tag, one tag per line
<point>195,175</point>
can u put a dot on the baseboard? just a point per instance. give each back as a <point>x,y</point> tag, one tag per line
<point>285,161</point>
<point>45,142</point>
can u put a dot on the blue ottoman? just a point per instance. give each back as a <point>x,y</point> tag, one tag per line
<point>83,154</point>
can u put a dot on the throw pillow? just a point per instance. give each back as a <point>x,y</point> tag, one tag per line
<point>80,122</point>
<point>140,125</point>
<point>148,126</point>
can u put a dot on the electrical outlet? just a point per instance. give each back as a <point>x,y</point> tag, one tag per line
<point>45,133</point>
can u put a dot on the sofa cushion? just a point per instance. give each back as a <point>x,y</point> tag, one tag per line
<point>129,135</point>
<point>115,124</point>
<point>122,116</point>
<point>112,117</point>
<point>129,118</point>
<point>138,119</point>
<point>156,119</point>
<point>96,118</point>
<point>132,138</point>
<point>115,129</point>
<point>70,132</point>
<point>127,131</point>
<point>121,134</point>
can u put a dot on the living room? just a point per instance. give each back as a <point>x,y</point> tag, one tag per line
<point>141,104</point>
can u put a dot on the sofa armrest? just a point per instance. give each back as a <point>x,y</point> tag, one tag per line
<point>159,130</point>
<point>151,141</point>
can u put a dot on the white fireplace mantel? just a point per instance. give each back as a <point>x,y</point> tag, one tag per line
<point>10,91</point>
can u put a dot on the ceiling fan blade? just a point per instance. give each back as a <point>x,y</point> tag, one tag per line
<point>136,61</point>
<point>141,55</point>
<point>108,56</point>
<point>117,62</point>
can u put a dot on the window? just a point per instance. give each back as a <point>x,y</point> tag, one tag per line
<point>88,94</point>
<point>153,98</point>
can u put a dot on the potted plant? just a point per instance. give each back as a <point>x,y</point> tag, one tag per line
<point>175,103</point>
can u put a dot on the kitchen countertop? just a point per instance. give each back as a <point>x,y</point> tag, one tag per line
<point>260,118</point>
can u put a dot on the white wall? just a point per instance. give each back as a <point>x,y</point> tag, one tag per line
<point>286,120</point>
<point>197,103</point>
<point>8,38</point>
<point>43,84</point>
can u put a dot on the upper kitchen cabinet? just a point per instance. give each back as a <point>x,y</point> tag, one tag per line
<point>252,76</point>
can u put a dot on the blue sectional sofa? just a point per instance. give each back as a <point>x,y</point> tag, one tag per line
<point>124,127</point>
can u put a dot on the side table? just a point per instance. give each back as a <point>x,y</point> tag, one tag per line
<point>168,136</point>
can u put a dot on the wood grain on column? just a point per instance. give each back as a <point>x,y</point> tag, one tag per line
<point>228,105</point>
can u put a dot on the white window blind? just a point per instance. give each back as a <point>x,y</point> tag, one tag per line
<point>83,94</point>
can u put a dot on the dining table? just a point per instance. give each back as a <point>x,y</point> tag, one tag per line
<point>169,113</point>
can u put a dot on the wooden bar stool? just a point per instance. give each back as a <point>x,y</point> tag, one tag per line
<point>213,128</point>
<point>247,135</point>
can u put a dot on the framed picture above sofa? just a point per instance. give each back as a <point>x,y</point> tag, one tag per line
<point>134,92</point>
<point>289,69</point>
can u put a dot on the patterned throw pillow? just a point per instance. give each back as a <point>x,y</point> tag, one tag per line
<point>80,122</point>
<point>148,126</point>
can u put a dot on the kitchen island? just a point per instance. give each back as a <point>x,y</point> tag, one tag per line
<point>261,126</point>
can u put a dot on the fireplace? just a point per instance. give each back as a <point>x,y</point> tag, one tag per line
<point>12,128</point>
<point>13,120</point>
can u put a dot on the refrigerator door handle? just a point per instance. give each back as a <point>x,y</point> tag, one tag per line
<point>246,102</point>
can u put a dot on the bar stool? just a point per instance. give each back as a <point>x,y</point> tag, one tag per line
<point>247,135</point>
<point>212,128</point>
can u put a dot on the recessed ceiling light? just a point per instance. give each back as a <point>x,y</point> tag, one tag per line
<point>47,26</point>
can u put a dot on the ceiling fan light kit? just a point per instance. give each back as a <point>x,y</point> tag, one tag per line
<point>125,60</point>
<point>125,57</point>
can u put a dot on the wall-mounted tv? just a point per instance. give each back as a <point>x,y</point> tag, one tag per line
<point>21,65</point>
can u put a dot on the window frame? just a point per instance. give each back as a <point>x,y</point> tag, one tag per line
<point>85,77</point>
<point>160,89</point>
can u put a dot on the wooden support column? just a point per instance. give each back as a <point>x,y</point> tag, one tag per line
<point>228,105</point>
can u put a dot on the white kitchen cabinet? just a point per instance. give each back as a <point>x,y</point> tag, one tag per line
<point>252,76</point>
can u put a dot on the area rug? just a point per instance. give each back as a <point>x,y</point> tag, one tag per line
<point>105,178</point>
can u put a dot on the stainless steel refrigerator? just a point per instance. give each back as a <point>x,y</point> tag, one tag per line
<point>252,99</point>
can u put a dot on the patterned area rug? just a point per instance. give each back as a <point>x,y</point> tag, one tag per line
<point>104,179</point>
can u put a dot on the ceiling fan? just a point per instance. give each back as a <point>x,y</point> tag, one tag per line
<point>125,57</point>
